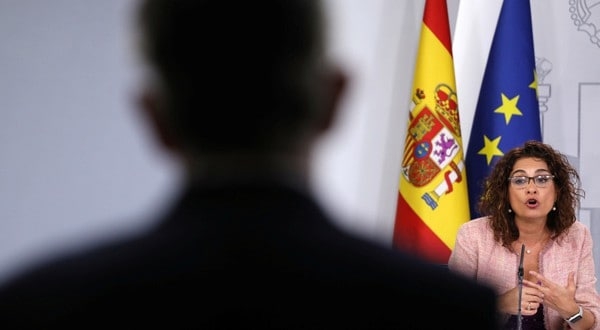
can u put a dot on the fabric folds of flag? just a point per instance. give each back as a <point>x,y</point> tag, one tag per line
<point>432,195</point>
<point>507,112</point>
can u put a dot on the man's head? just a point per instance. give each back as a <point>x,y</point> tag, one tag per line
<point>238,75</point>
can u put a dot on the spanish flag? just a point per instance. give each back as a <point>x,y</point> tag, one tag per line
<point>432,197</point>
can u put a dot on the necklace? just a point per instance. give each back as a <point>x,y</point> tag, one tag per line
<point>528,250</point>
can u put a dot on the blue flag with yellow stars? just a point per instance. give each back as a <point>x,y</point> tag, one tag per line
<point>507,112</point>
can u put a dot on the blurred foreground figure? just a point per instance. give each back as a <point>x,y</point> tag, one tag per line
<point>239,91</point>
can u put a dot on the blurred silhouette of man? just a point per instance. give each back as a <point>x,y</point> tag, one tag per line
<point>239,92</point>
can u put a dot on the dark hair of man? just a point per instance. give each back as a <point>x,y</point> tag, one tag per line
<point>250,81</point>
<point>495,201</point>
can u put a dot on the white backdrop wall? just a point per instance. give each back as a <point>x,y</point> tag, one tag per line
<point>77,164</point>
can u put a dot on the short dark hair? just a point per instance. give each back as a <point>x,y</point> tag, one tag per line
<point>236,74</point>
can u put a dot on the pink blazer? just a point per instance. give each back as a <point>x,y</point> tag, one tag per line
<point>477,255</point>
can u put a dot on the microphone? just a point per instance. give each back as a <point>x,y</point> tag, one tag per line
<point>520,274</point>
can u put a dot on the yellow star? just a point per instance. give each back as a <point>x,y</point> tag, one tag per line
<point>490,148</point>
<point>534,83</point>
<point>509,107</point>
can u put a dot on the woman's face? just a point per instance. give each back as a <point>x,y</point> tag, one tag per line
<point>531,193</point>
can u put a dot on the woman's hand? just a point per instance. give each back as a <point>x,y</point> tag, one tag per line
<point>558,297</point>
<point>531,298</point>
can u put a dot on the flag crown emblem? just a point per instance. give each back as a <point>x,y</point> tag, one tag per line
<point>447,106</point>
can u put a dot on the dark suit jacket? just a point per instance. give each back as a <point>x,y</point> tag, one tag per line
<point>245,255</point>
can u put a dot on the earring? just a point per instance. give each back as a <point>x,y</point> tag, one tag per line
<point>553,208</point>
<point>509,210</point>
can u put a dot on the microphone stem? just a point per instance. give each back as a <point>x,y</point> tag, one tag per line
<point>520,274</point>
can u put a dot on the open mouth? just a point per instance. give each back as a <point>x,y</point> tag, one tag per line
<point>532,202</point>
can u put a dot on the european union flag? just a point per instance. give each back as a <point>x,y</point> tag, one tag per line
<point>507,112</point>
